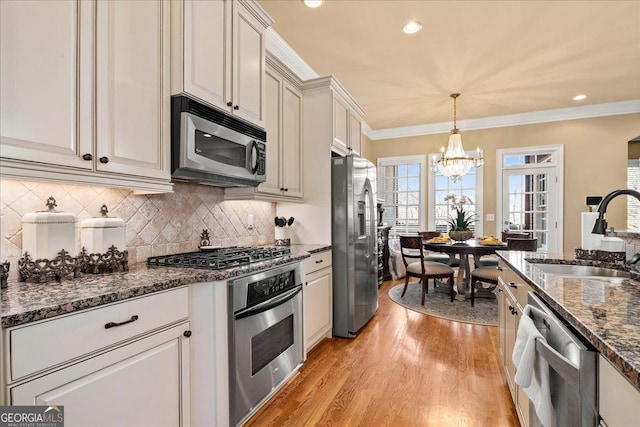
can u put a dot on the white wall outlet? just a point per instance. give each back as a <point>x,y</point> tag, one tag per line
<point>491,217</point>
<point>250,222</point>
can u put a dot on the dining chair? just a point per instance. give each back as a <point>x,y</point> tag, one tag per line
<point>411,249</point>
<point>490,275</point>
<point>449,259</point>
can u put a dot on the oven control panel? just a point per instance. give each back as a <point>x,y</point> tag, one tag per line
<point>265,289</point>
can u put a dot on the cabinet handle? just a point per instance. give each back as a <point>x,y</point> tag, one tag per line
<point>187,334</point>
<point>499,289</point>
<point>513,285</point>
<point>229,104</point>
<point>114,324</point>
<point>87,156</point>
<point>286,189</point>
<point>104,159</point>
<point>236,107</point>
<point>318,261</point>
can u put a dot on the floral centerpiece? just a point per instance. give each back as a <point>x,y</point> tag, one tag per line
<point>460,222</point>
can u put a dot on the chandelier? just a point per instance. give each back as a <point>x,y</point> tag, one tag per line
<point>455,163</point>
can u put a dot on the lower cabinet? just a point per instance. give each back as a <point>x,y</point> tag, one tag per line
<point>143,383</point>
<point>317,299</point>
<point>509,315</point>
<point>618,400</point>
<point>121,364</point>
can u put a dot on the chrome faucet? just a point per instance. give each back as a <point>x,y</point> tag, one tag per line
<point>601,224</point>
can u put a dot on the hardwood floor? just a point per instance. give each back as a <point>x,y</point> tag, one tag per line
<point>403,369</point>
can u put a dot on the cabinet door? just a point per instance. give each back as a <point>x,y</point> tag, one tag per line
<point>292,159</point>
<point>340,126</point>
<point>502,319</point>
<point>207,58</point>
<point>511,322</point>
<point>144,383</point>
<point>248,65</point>
<point>133,88</point>
<point>355,134</point>
<point>45,93</point>
<point>317,307</point>
<point>273,122</point>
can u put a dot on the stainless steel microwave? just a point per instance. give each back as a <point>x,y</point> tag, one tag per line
<point>212,147</point>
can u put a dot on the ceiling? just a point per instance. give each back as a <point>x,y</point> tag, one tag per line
<point>504,57</point>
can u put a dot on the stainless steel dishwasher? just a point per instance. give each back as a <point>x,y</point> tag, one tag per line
<point>572,370</point>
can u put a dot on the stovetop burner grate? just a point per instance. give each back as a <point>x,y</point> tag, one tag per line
<point>218,258</point>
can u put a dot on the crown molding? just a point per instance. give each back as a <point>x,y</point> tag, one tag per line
<point>284,53</point>
<point>544,116</point>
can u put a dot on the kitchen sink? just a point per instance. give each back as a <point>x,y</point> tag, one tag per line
<point>569,270</point>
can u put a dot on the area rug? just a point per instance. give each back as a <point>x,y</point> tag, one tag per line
<point>438,304</point>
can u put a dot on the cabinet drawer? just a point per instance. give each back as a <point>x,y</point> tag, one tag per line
<point>48,343</point>
<point>518,287</point>
<point>317,261</point>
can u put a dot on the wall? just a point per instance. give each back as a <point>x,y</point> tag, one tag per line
<point>156,224</point>
<point>595,161</point>
<point>367,148</point>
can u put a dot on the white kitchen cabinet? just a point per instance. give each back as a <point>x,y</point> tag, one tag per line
<point>283,123</point>
<point>45,63</point>
<point>143,383</point>
<point>59,123</point>
<point>347,126</point>
<point>317,299</point>
<point>618,399</point>
<point>313,217</point>
<point>219,56</point>
<point>136,364</point>
<point>132,81</point>
<point>509,315</point>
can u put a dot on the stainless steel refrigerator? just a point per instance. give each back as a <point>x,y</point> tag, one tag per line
<point>354,244</point>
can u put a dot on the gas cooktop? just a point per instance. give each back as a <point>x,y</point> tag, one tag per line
<point>218,258</point>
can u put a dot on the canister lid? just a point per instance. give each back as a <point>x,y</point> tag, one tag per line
<point>103,221</point>
<point>50,216</point>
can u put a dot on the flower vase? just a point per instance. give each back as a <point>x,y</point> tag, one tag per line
<point>460,235</point>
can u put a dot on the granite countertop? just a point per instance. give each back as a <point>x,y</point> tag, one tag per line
<point>27,302</point>
<point>606,311</point>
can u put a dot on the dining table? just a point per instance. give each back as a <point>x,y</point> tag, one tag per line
<point>463,250</point>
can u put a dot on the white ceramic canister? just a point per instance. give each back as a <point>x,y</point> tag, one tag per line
<point>97,235</point>
<point>46,233</point>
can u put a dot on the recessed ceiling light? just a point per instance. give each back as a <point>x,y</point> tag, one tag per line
<point>579,97</point>
<point>412,27</point>
<point>313,3</point>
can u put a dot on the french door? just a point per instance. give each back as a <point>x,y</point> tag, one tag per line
<point>529,204</point>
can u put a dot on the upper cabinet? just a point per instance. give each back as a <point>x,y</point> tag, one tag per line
<point>337,110</point>
<point>85,93</point>
<point>218,55</point>
<point>283,123</point>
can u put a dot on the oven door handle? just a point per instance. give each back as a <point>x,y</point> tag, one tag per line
<point>268,305</point>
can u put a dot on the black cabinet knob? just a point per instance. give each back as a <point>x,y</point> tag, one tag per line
<point>87,156</point>
<point>104,160</point>
<point>187,334</point>
<point>236,107</point>
<point>286,189</point>
<point>229,104</point>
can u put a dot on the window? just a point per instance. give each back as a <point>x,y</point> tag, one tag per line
<point>400,187</point>
<point>440,205</point>
<point>633,205</point>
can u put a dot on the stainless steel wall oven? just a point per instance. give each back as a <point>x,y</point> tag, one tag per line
<point>265,336</point>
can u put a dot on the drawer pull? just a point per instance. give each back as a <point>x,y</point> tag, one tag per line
<point>114,324</point>
<point>513,285</point>
<point>318,261</point>
<point>187,334</point>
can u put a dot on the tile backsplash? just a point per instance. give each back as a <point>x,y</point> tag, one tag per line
<point>156,224</point>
